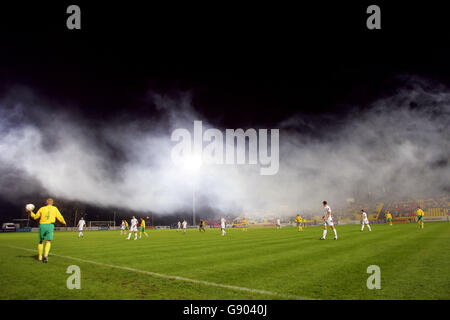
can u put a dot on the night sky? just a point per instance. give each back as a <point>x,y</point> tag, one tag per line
<point>245,67</point>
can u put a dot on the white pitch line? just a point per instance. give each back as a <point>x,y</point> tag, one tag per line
<point>165,276</point>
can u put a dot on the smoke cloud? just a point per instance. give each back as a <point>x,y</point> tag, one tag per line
<point>397,147</point>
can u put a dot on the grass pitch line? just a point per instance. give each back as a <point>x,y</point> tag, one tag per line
<point>165,276</point>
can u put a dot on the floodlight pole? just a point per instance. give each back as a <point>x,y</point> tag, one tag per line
<point>193,205</point>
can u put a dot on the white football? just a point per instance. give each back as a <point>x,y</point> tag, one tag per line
<point>29,207</point>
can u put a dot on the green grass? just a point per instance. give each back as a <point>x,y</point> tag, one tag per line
<point>415,264</point>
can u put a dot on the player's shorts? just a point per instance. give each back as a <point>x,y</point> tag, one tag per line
<point>245,226</point>
<point>389,219</point>
<point>299,224</point>
<point>222,226</point>
<point>419,218</point>
<point>365,221</point>
<point>126,228</point>
<point>142,229</point>
<point>80,229</point>
<point>328,222</point>
<point>46,232</point>
<point>133,229</point>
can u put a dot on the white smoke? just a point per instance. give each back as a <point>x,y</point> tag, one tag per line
<point>397,147</point>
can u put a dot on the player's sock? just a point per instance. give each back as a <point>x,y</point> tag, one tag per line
<point>335,233</point>
<point>362,227</point>
<point>47,249</point>
<point>129,236</point>
<point>368,226</point>
<point>40,250</point>
<point>324,233</point>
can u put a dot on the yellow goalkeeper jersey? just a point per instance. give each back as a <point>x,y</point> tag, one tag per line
<point>244,221</point>
<point>48,215</point>
<point>298,219</point>
<point>126,224</point>
<point>420,212</point>
<point>143,223</point>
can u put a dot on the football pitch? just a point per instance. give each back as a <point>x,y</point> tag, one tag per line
<point>262,263</point>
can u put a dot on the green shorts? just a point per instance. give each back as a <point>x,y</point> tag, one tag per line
<point>142,229</point>
<point>126,228</point>
<point>299,224</point>
<point>419,218</point>
<point>389,219</point>
<point>46,232</point>
<point>245,226</point>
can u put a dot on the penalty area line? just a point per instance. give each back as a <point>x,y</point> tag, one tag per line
<point>169,277</point>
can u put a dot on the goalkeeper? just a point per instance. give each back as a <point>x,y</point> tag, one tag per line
<point>47,215</point>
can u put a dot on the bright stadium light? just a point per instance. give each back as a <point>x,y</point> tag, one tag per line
<point>192,164</point>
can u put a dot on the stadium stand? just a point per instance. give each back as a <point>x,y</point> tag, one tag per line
<point>406,209</point>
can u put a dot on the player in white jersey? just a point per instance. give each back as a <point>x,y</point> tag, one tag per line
<point>184,225</point>
<point>364,220</point>
<point>222,225</point>
<point>122,227</point>
<point>179,226</point>
<point>133,228</point>
<point>278,223</point>
<point>328,221</point>
<point>81,225</point>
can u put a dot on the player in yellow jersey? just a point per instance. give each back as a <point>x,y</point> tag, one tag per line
<point>202,226</point>
<point>389,218</point>
<point>420,215</point>
<point>126,226</point>
<point>142,230</point>
<point>298,220</point>
<point>47,216</point>
<point>244,224</point>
